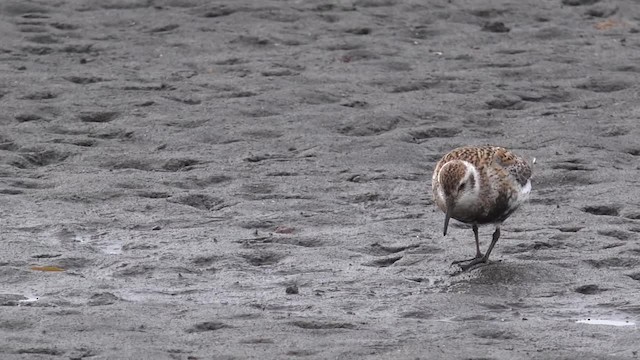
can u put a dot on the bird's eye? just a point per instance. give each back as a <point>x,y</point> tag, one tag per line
<point>462,186</point>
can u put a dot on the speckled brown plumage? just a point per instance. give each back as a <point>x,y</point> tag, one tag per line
<point>480,185</point>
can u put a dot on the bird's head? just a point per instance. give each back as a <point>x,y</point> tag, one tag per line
<point>459,185</point>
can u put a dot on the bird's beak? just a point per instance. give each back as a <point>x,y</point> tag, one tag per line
<point>446,218</point>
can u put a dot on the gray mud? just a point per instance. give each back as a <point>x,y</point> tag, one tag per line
<point>251,179</point>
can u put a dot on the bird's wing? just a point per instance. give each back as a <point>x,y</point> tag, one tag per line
<point>515,165</point>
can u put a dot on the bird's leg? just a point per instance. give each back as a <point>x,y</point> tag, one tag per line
<point>478,252</point>
<point>494,240</point>
<point>485,258</point>
<point>475,233</point>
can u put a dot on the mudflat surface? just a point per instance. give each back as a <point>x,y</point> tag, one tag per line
<point>251,179</point>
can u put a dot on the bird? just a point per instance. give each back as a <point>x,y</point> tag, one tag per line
<point>480,185</point>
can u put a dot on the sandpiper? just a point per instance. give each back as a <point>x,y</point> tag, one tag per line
<point>480,185</point>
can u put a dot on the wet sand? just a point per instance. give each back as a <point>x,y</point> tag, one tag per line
<point>251,179</point>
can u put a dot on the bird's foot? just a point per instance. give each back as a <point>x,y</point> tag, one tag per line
<point>470,263</point>
<point>473,260</point>
<point>473,263</point>
<point>458,262</point>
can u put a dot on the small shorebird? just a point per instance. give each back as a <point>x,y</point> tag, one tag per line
<point>480,185</point>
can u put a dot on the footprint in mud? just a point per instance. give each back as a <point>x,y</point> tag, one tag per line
<point>635,276</point>
<point>74,263</point>
<point>8,144</point>
<point>495,334</point>
<point>551,95</point>
<point>301,352</point>
<point>604,85</point>
<point>635,151</point>
<point>103,242</point>
<point>633,215</point>
<point>590,289</point>
<point>163,28</point>
<point>111,134</point>
<point>129,163</point>
<point>421,135</point>
<point>137,270</point>
<point>207,326</point>
<point>101,299</point>
<point>289,69</point>
<point>367,125</point>
<point>282,15</point>
<point>214,10</point>
<point>383,262</point>
<point>37,50</point>
<point>30,184</point>
<point>39,114</point>
<point>183,164</point>
<point>84,79</point>
<point>262,258</point>
<point>64,26</point>
<point>251,41</point>
<point>414,86</point>
<point>26,117</point>
<point>37,157</point>
<point>345,45</point>
<point>377,249</point>
<point>526,247</point>
<point>138,246</point>
<point>258,134</point>
<point>314,97</point>
<point>607,210</point>
<point>205,260</point>
<point>613,131</point>
<point>40,351</point>
<point>321,325</point>
<point>257,340</point>
<point>404,86</point>
<point>257,224</point>
<point>98,116</point>
<point>516,273</point>
<point>13,300</point>
<point>184,99</point>
<point>302,242</point>
<point>199,201</point>
<point>17,8</point>
<point>43,39</point>
<point>614,262</point>
<point>616,234</point>
<point>358,55</point>
<point>553,180</point>
<point>258,191</point>
<point>506,102</point>
<point>418,314</point>
<point>261,111</point>
<point>573,164</point>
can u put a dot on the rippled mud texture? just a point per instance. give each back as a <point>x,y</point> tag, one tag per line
<point>250,179</point>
